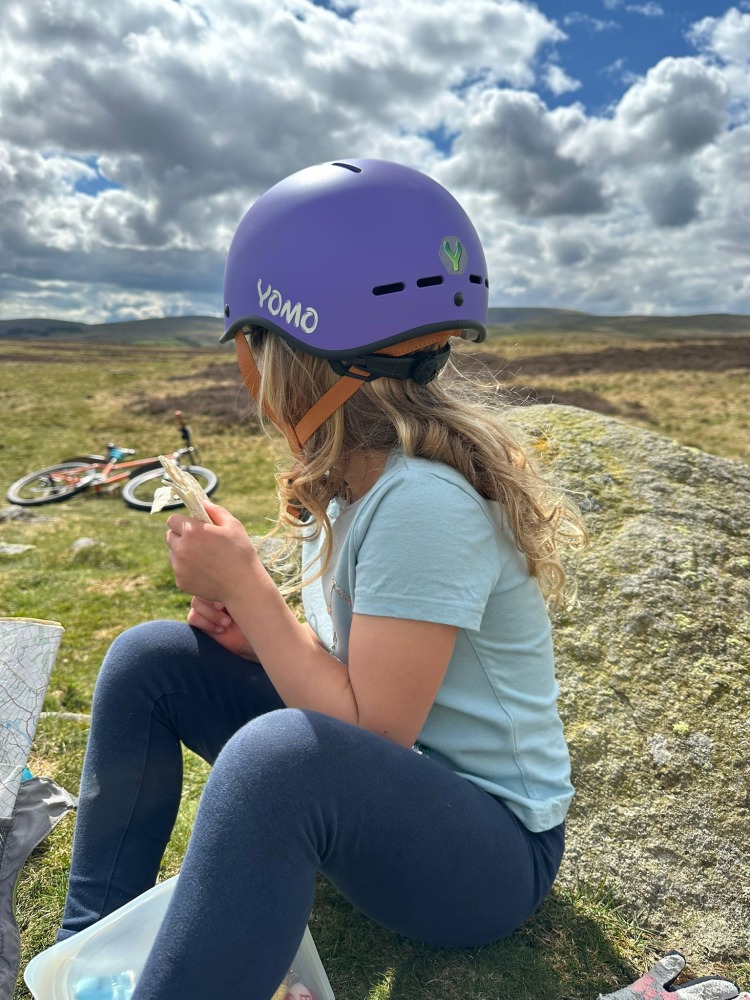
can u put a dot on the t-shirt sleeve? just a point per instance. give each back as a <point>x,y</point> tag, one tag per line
<point>429,552</point>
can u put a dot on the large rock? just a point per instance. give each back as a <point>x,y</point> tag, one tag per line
<point>654,670</point>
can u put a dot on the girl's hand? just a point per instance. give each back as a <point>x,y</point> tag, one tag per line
<point>212,617</point>
<point>216,561</point>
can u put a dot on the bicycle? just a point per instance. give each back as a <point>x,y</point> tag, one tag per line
<point>139,478</point>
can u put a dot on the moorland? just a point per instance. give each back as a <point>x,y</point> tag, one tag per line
<point>61,396</point>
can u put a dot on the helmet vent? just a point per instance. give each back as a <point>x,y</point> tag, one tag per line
<point>348,166</point>
<point>397,286</point>
<point>475,279</point>
<point>436,279</point>
<point>486,282</point>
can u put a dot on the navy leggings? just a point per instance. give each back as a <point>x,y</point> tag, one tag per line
<point>406,840</point>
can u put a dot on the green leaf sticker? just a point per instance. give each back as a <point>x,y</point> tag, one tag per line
<point>452,255</point>
<point>455,255</point>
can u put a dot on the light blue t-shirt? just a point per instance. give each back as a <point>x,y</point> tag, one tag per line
<point>423,544</point>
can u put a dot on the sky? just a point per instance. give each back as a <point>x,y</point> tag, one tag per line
<point>601,147</point>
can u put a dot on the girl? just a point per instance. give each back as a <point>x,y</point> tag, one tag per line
<point>405,741</point>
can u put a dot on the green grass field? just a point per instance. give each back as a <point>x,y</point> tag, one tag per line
<point>59,400</point>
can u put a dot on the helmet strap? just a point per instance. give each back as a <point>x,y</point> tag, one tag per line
<point>342,390</point>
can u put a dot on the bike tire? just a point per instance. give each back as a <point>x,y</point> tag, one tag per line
<point>47,490</point>
<point>139,491</point>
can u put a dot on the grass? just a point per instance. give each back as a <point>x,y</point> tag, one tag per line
<point>696,392</point>
<point>61,399</point>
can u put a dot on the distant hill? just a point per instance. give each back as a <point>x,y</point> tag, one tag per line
<point>204,331</point>
<point>646,327</point>
<point>191,331</point>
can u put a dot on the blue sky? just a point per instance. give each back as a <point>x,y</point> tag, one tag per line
<point>610,44</point>
<point>601,146</point>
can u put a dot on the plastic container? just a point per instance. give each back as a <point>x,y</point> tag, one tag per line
<point>104,961</point>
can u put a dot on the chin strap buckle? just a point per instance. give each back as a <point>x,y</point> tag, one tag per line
<point>421,367</point>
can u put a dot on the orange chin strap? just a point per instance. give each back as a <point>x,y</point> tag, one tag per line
<point>343,389</point>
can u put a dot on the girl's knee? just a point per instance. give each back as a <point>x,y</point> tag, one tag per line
<point>280,734</point>
<point>288,746</point>
<point>143,652</point>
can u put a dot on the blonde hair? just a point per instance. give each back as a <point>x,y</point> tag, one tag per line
<point>447,420</point>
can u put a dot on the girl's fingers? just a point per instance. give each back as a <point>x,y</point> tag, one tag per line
<point>176,523</point>
<point>211,611</point>
<point>204,624</point>
<point>206,607</point>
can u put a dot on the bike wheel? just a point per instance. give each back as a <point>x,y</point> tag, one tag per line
<point>51,485</point>
<point>139,492</point>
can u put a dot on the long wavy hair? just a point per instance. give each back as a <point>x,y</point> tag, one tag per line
<point>448,420</point>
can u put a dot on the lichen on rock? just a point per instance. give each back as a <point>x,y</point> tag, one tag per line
<point>654,672</point>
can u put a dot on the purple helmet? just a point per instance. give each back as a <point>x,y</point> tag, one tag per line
<point>347,258</point>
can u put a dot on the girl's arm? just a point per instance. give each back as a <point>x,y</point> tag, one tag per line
<point>395,665</point>
<point>213,618</point>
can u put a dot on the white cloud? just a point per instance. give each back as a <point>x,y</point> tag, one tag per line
<point>189,113</point>
<point>618,71</point>
<point>529,173</point>
<point>193,115</point>
<point>615,68</point>
<point>671,196</point>
<point>679,107</point>
<point>595,24</point>
<point>725,42</point>
<point>558,81</point>
<point>726,37</point>
<point>649,9</point>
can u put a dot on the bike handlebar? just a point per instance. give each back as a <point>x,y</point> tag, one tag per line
<point>184,429</point>
<point>184,432</point>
